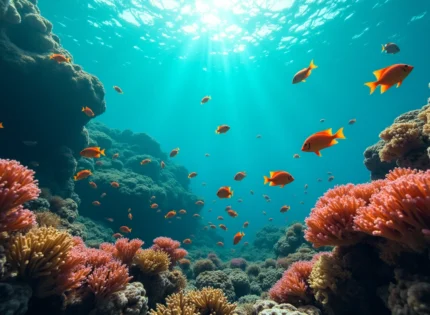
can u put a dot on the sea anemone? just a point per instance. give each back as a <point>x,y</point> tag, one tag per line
<point>151,261</point>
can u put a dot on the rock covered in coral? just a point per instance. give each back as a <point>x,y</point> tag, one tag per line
<point>293,238</point>
<point>93,232</point>
<point>266,307</point>
<point>218,280</point>
<point>14,298</point>
<point>130,301</point>
<point>240,282</point>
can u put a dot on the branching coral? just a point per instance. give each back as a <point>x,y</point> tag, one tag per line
<point>210,301</point>
<point>16,219</point>
<point>171,248</point>
<point>151,261</point>
<point>125,249</point>
<point>176,304</point>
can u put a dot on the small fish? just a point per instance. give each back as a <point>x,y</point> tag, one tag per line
<point>278,178</point>
<point>302,202</point>
<point>222,227</point>
<point>130,216</point>
<point>306,186</point>
<point>153,197</point>
<point>118,89</point>
<point>114,184</point>
<point>192,175</point>
<point>329,173</point>
<point>389,76</point>
<point>258,136</point>
<point>96,203</point>
<point>227,208</point>
<point>93,185</point>
<point>239,200</point>
<point>145,161</point>
<point>239,176</point>
<point>304,73</point>
<point>125,229</point>
<point>390,48</point>
<point>232,213</point>
<point>200,202</point>
<point>220,218</point>
<point>331,178</point>
<point>30,143</point>
<point>158,211</point>
<point>238,237</point>
<point>1,125</point>
<point>117,235</point>
<point>82,175</point>
<point>115,156</point>
<point>92,152</point>
<point>321,140</point>
<point>203,184</point>
<point>251,192</point>
<point>212,226</point>
<point>264,212</point>
<point>352,121</point>
<point>222,129</point>
<point>162,164</point>
<point>178,218</point>
<point>270,219</point>
<point>285,209</point>
<point>319,180</point>
<point>87,111</point>
<point>224,192</point>
<point>210,210</point>
<point>296,156</point>
<point>109,219</point>
<point>196,215</point>
<point>205,100</point>
<point>99,163</point>
<point>207,155</point>
<point>322,120</point>
<point>59,58</point>
<point>220,244</point>
<point>103,195</point>
<point>154,206</point>
<point>187,241</point>
<point>205,228</point>
<point>34,164</point>
<point>174,152</point>
<point>170,214</point>
<point>245,225</point>
<point>266,197</point>
<point>182,211</point>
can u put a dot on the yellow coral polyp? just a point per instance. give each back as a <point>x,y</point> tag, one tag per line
<point>211,301</point>
<point>151,261</point>
<point>176,304</point>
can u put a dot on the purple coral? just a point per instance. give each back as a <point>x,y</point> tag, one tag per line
<point>240,263</point>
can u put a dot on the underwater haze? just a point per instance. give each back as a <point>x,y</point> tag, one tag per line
<point>167,55</point>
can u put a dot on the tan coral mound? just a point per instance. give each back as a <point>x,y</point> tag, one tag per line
<point>176,304</point>
<point>424,115</point>
<point>151,261</point>
<point>47,218</point>
<point>210,301</point>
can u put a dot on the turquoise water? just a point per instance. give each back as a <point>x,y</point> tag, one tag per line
<point>167,55</point>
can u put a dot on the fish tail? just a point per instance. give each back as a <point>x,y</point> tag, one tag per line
<point>102,152</point>
<point>372,86</point>
<point>383,47</point>
<point>83,109</point>
<point>75,178</point>
<point>339,134</point>
<point>231,193</point>
<point>312,65</point>
<point>266,180</point>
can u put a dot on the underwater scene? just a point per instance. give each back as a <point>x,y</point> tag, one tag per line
<point>214,157</point>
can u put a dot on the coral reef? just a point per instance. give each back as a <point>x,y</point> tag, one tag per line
<point>272,308</point>
<point>171,248</point>
<point>151,262</point>
<point>293,238</point>
<point>203,265</point>
<point>108,279</point>
<point>14,298</point>
<point>217,280</point>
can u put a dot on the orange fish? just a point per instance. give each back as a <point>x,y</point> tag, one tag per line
<point>87,111</point>
<point>296,156</point>
<point>285,209</point>
<point>389,76</point>
<point>222,129</point>
<point>245,225</point>
<point>93,185</point>
<point>174,152</point>
<point>92,152</point>
<point>103,195</point>
<point>115,156</point>
<point>125,229</point>
<point>99,163</point>
<point>182,211</point>
<point>96,203</point>
<point>130,216</point>
<point>118,89</point>
<point>200,202</point>
<point>220,218</point>
<point>238,237</point>
<point>205,100</point>
<point>1,125</point>
<point>170,214</point>
<point>239,176</point>
<point>59,58</point>
<point>154,206</point>
<point>220,244</point>
<point>304,73</point>
<point>212,226</point>
<point>321,140</point>
<point>145,161</point>
<point>187,241</point>
<point>222,227</point>
<point>114,184</point>
<point>117,235</point>
<point>232,213</point>
<point>192,175</point>
<point>224,192</point>
<point>82,174</point>
<point>162,164</point>
<point>109,219</point>
<point>196,215</point>
<point>278,178</point>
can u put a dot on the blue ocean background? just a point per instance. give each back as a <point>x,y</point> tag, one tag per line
<point>166,55</point>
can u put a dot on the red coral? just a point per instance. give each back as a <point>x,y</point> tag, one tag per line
<point>108,279</point>
<point>400,211</point>
<point>293,287</point>
<point>399,172</point>
<point>170,247</point>
<point>123,250</point>
<point>74,271</point>
<point>16,219</point>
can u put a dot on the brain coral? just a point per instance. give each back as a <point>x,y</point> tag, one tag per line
<point>218,280</point>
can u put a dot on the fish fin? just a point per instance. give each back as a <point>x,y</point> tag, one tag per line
<point>318,153</point>
<point>102,152</point>
<point>333,142</point>
<point>327,132</point>
<point>383,47</point>
<point>83,109</point>
<point>378,73</point>
<point>231,193</point>
<point>384,87</point>
<point>282,186</point>
<point>75,178</point>
<point>312,65</point>
<point>272,184</point>
<point>266,180</point>
<point>339,134</point>
<point>372,86</point>
<point>399,83</point>
<point>305,80</point>
<point>272,174</point>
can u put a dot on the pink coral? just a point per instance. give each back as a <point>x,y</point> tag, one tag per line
<point>293,287</point>
<point>170,247</point>
<point>16,219</point>
<point>108,279</point>
<point>400,211</point>
<point>399,172</point>
<point>123,250</point>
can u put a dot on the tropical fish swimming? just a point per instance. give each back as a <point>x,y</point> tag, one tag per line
<point>92,152</point>
<point>304,73</point>
<point>390,48</point>
<point>278,178</point>
<point>389,76</point>
<point>321,140</point>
